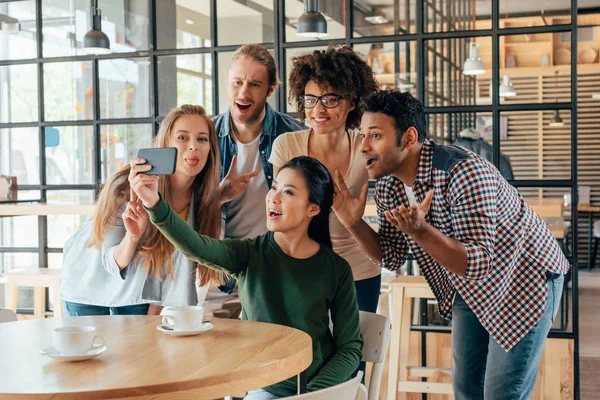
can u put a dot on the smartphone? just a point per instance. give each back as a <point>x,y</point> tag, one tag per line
<point>163,160</point>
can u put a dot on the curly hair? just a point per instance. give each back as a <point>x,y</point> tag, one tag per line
<point>339,67</point>
<point>402,107</point>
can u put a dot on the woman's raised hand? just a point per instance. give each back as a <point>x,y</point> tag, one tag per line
<point>135,219</point>
<point>144,187</point>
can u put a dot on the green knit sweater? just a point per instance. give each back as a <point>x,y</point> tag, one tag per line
<point>280,289</point>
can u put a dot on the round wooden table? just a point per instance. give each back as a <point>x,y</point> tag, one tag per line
<point>142,363</point>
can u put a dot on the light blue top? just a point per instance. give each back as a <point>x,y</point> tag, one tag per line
<point>91,276</point>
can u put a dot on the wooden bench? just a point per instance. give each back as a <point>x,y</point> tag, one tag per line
<point>39,278</point>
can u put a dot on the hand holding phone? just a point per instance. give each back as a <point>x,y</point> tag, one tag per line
<point>162,160</point>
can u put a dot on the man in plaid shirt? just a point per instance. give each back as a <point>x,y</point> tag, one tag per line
<point>491,262</point>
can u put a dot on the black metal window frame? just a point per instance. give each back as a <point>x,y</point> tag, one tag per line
<point>279,47</point>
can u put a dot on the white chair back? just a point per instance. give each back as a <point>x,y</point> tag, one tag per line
<point>376,331</point>
<point>350,390</point>
<point>7,315</point>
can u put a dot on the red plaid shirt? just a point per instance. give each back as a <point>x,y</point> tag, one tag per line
<point>509,247</point>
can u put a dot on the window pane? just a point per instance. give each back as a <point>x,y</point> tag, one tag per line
<point>19,231</point>
<point>60,227</point>
<point>183,24</point>
<point>69,155</point>
<point>332,10</point>
<point>83,197</point>
<point>184,79</point>
<point>394,64</point>
<point>65,22</point>
<point>536,148</point>
<point>458,15</point>
<point>124,88</point>
<point>536,73</point>
<point>289,54</point>
<point>383,18</point>
<point>235,17</point>
<point>446,128</point>
<point>19,155</point>
<point>18,261</point>
<point>119,143</point>
<point>446,82</point>
<point>224,60</point>
<point>525,13</point>
<point>20,42</point>
<point>18,93</point>
<point>68,91</point>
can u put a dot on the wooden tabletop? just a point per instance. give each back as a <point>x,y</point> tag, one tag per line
<point>7,210</point>
<point>141,362</point>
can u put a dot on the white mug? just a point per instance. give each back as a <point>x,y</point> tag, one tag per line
<point>183,318</point>
<point>76,340</point>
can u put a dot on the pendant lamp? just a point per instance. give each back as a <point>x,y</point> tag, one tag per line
<point>473,65</point>
<point>312,23</point>
<point>96,41</point>
<point>556,121</point>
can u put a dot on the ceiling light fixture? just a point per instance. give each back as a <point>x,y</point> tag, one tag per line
<point>189,21</point>
<point>376,19</point>
<point>506,88</point>
<point>473,65</point>
<point>312,23</point>
<point>556,121</point>
<point>96,41</point>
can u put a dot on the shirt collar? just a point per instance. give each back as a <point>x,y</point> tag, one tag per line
<point>268,122</point>
<point>425,163</point>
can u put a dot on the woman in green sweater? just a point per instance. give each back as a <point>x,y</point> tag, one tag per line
<point>289,276</point>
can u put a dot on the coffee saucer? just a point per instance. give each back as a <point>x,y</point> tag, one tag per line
<point>187,332</point>
<point>55,354</point>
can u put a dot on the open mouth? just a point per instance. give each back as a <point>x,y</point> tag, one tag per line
<point>243,107</point>
<point>370,161</point>
<point>274,213</point>
<point>192,161</point>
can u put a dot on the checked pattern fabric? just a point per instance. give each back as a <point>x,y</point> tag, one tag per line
<point>509,247</point>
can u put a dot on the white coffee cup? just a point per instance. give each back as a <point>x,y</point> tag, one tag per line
<point>183,318</point>
<point>76,340</point>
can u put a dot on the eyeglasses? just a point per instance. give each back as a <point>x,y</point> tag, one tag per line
<point>329,100</point>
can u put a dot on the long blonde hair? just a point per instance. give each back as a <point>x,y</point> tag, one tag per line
<point>155,250</point>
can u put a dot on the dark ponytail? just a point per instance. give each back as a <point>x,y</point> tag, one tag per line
<point>320,192</point>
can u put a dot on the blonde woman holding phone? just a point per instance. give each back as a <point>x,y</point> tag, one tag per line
<point>130,267</point>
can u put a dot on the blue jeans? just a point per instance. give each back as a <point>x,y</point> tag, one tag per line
<point>367,293</point>
<point>481,369</point>
<point>81,310</point>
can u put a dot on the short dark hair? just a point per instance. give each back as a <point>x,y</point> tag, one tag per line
<point>320,192</point>
<point>339,67</point>
<point>402,107</point>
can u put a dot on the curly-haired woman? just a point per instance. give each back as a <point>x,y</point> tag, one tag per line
<point>326,87</point>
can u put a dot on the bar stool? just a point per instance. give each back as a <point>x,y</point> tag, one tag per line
<point>404,290</point>
<point>39,278</point>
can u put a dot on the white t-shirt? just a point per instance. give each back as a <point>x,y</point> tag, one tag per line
<point>294,144</point>
<point>246,215</point>
<point>411,195</point>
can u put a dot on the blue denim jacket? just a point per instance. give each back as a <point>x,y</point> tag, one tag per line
<point>274,124</point>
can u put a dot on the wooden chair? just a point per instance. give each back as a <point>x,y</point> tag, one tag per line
<point>404,290</point>
<point>350,390</point>
<point>376,331</point>
<point>7,315</point>
<point>39,278</point>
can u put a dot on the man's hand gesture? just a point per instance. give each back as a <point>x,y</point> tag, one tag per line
<point>347,208</point>
<point>233,184</point>
<point>411,221</point>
